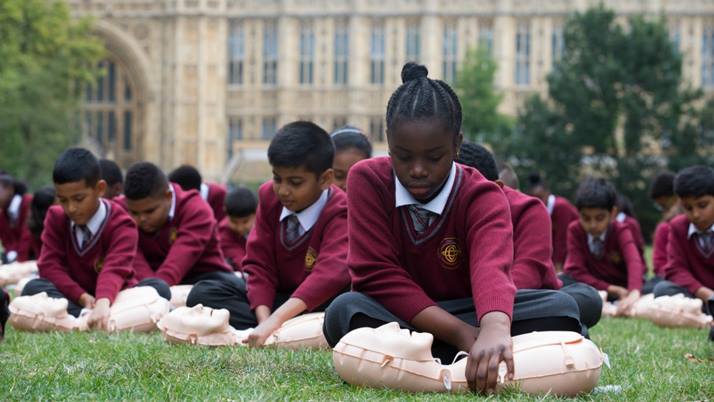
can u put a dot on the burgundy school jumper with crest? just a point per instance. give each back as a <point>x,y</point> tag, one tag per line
<point>687,265</point>
<point>312,269</point>
<point>102,268</point>
<point>620,263</point>
<point>232,244</point>
<point>13,234</point>
<point>532,245</point>
<point>564,213</point>
<point>467,252</point>
<point>216,199</point>
<point>186,245</point>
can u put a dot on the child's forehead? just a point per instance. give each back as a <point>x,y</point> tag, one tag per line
<point>78,186</point>
<point>593,211</point>
<point>694,199</point>
<point>286,172</point>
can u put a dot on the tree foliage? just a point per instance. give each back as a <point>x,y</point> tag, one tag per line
<point>45,58</point>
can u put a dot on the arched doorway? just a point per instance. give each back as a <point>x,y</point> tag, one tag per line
<point>112,113</point>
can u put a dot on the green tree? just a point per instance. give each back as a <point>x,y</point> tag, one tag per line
<point>480,99</point>
<point>45,58</point>
<point>616,106</point>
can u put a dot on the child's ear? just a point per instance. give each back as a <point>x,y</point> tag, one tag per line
<point>326,179</point>
<point>500,183</point>
<point>101,187</point>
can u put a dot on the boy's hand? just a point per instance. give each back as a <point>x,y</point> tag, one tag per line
<point>261,333</point>
<point>86,300</point>
<point>492,346</point>
<point>617,291</point>
<point>704,293</point>
<point>99,318</point>
<point>624,307</point>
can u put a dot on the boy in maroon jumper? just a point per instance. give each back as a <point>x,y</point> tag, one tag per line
<point>111,173</point>
<point>662,193</point>
<point>189,178</point>
<point>89,243</point>
<point>532,265</point>
<point>297,251</point>
<point>240,207</point>
<point>626,215</point>
<point>601,251</point>
<point>690,249</point>
<point>14,212</point>
<point>178,239</point>
<point>562,214</point>
<point>42,200</point>
<point>431,243</point>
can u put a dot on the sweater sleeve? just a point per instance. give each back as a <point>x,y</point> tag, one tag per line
<point>373,258</point>
<point>633,259</point>
<point>677,266</point>
<point>576,261</point>
<point>195,229</point>
<point>53,258</point>
<point>329,275</point>
<point>259,262</point>
<point>119,260</point>
<point>532,247</point>
<point>659,249</point>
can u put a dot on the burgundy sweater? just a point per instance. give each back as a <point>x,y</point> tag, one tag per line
<point>659,248</point>
<point>216,199</point>
<point>466,252</point>
<point>564,213</point>
<point>686,265</point>
<point>232,244</point>
<point>186,245</point>
<point>620,265</point>
<point>12,235</point>
<point>314,269</point>
<point>532,246</point>
<point>103,268</point>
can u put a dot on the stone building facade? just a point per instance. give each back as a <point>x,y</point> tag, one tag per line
<point>208,82</point>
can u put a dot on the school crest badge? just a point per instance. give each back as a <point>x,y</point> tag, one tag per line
<point>172,235</point>
<point>310,259</point>
<point>99,264</point>
<point>615,257</point>
<point>449,253</point>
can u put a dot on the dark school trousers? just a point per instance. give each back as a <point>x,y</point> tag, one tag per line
<point>533,310</point>
<point>40,285</point>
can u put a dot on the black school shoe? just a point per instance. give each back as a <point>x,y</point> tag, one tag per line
<point>4,312</point>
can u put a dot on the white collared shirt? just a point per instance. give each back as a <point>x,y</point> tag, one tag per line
<point>693,229</point>
<point>204,191</point>
<point>13,210</point>
<point>550,205</point>
<point>621,217</point>
<point>94,224</point>
<point>172,210</point>
<point>403,197</point>
<point>308,216</point>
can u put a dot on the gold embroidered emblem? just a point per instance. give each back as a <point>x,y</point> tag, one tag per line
<point>310,258</point>
<point>615,257</point>
<point>449,252</point>
<point>99,264</point>
<point>172,235</point>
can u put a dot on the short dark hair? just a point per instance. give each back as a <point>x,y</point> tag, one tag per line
<point>144,179</point>
<point>186,176</point>
<point>480,158</point>
<point>534,179</point>
<point>76,164</point>
<point>420,97</point>
<point>302,143</point>
<point>624,204</point>
<point>42,200</point>
<point>595,193</point>
<point>7,180</point>
<point>349,137</point>
<point>662,185</point>
<point>694,181</point>
<point>241,202</point>
<point>110,171</point>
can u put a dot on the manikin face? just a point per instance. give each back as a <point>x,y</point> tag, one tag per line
<point>298,188</point>
<point>699,211</point>
<point>422,153</point>
<point>595,221</point>
<point>78,200</point>
<point>344,160</point>
<point>51,307</point>
<point>204,318</point>
<point>151,213</point>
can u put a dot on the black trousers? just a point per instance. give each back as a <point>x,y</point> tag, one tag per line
<point>40,285</point>
<point>533,310</point>
<point>588,300</point>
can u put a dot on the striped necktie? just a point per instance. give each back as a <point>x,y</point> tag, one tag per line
<point>292,229</point>
<point>421,218</point>
<point>597,247</point>
<point>705,242</point>
<point>86,235</point>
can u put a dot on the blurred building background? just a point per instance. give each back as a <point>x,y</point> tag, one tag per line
<point>209,81</point>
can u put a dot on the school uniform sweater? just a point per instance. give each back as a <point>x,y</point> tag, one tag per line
<point>564,213</point>
<point>687,266</point>
<point>466,252</point>
<point>620,263</point>
<point>532,246</point>
<point>186,245</point>
<point>102,268</point>
<point>232,244</point>
<point>312,269</point>
<point>12,233</point>
<point>659,248</point>
<point>216,198</point>
<point>636,230</point>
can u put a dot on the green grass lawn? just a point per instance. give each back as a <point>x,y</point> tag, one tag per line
<point>648,363</point>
